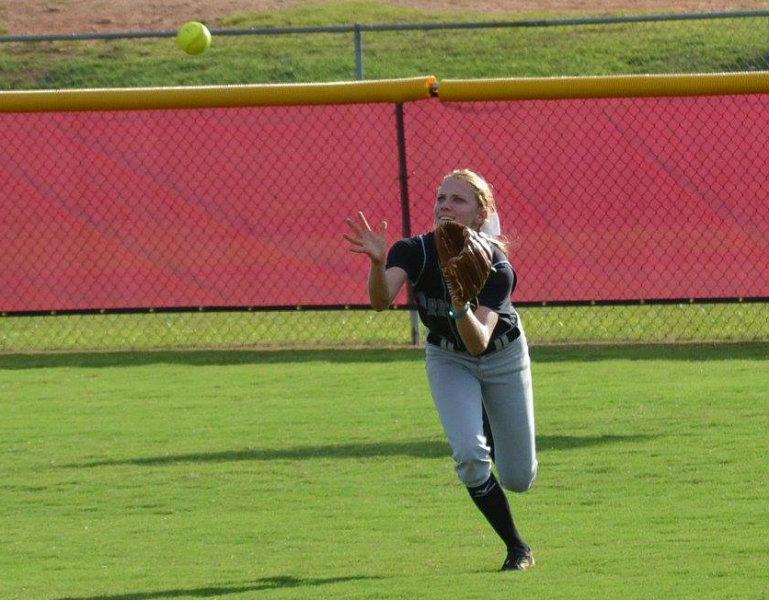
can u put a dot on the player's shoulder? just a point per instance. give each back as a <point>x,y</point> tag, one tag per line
<point>418,239</point>
<point>499,258</point>
<point>503,269</point>
<point>415,245</point>
<point>409,241</point>
<point>407,249</point>
<point>412,254</point>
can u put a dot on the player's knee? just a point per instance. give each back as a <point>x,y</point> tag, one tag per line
<point>518,480</point>
<point>473,470</point>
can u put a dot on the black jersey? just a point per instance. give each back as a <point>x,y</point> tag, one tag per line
<point>419,258</point>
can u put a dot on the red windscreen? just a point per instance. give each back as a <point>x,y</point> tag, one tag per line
<point>613,199</point>
<point>224,207</point>
<point>603,199</point>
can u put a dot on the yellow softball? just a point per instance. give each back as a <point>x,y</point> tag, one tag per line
<point>193,37</point>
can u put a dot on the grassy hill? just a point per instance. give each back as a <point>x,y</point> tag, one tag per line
<point>712,45</point>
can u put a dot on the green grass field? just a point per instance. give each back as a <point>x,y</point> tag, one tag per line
<point>289,474</point>
<point>663,47</point>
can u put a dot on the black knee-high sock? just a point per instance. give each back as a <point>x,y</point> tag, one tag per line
<point>492,502</point>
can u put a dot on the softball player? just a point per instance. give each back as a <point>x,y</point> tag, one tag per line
<point>477,357</point>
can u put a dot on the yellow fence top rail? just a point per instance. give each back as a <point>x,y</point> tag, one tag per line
<point>614,86</point>
<point>344,92</point>
<point>385,90</point>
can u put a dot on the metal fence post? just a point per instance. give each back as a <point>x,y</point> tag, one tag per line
<point>403,177</point>
<point>358,52</point>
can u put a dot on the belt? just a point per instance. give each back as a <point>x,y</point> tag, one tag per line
<point>495,344</point>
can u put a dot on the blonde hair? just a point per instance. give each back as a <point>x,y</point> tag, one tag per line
<point>484,195</point>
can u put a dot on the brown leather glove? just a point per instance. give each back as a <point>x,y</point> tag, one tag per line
<point>465,257</point>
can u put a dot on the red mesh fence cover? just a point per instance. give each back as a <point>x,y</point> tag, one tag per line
<point>643,198</point>
<point>225,207</point>
<point>603,199</point>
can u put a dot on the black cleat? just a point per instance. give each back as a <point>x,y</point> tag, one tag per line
<point>518,559</point>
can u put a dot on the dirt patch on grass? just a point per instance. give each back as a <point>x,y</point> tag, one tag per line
<point>75,16</point>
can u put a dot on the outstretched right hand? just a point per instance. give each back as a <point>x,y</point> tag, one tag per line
<point>364,240</point>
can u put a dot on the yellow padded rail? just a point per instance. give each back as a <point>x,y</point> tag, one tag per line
<point>614,86</point>
<point>385,90</point>
<point>345,92</point>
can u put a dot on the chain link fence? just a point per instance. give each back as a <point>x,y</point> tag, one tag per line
<point>631,219</point>
<point>639,221</point>
<point>687,43</point>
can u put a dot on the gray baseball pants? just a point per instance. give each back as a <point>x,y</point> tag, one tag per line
<point>501,380</point>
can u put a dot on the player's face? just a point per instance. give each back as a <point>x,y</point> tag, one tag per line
<point>456,201</point>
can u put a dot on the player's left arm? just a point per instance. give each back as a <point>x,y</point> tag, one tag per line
<point>476,328</point>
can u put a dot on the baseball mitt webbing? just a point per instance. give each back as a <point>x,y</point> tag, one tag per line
<point>465,257</point>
